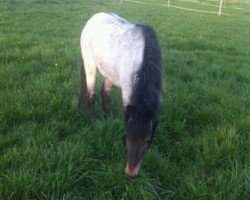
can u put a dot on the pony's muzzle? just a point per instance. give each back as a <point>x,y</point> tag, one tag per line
<point>132,171</point>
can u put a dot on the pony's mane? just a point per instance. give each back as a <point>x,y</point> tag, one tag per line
<point>145,96</point>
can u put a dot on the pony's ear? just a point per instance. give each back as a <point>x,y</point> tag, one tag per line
<point>129,111</point>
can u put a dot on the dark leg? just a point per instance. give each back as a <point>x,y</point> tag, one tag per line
<point>106,88</point>
<point>82,100</point>
<point>128,112</point>
<point>90,71</point>
<point>91,109</point>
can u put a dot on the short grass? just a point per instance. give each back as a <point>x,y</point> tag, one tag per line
<point>202,146</point>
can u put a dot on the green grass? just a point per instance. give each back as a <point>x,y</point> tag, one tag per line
<point>202,146</point>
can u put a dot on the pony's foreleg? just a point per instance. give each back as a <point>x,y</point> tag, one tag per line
<point>127,107</point>
<point>105,92</point>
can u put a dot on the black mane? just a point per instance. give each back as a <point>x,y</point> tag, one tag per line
<point>145,99</point>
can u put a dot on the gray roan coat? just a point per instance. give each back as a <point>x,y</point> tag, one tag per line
<point>128,56</point>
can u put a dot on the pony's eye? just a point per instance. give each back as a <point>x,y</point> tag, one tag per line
<point>149,140</point>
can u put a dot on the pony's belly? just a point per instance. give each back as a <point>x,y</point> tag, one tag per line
<point>110,73</point>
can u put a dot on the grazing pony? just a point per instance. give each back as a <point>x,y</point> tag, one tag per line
<point>128,56</point>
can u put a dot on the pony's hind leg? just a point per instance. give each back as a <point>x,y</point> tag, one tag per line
<point>90,71</point>
<point>82,100</point>
<point>106,88</point>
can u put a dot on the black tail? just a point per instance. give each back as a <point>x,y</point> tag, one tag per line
<point>146,92</point>
<point>82,101</point>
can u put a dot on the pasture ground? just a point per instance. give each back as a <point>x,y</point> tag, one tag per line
<point>201,149</point>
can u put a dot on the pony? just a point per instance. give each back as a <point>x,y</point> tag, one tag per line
<point>128,56</point>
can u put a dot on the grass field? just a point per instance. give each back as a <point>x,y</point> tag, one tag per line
<point>201,149</point>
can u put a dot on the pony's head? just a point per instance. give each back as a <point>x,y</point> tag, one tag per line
<point>137,139</point>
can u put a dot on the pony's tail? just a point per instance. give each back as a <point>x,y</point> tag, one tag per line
<point>82,100</point>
